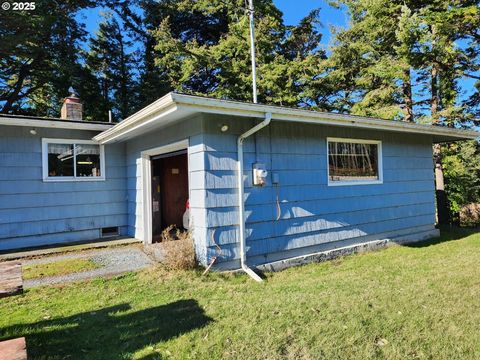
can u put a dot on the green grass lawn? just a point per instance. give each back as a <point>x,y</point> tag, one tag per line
<point>417,302</point>
<point>62,267</point>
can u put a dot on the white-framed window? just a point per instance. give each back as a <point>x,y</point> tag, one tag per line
<point>72,160</point>
<point>354,161</point>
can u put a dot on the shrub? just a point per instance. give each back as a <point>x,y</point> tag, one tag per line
<point>470,215</point>
<point>178,250</point>
<point>461,165</point>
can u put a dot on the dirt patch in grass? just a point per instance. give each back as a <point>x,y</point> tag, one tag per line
<point>57,268</point>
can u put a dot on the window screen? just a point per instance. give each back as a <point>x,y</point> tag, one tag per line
<point>353,161</point>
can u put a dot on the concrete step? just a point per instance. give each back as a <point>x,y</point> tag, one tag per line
<point>14,349</point>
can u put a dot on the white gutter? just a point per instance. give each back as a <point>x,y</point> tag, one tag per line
<point>244,109</point>
<point>153,112</point>
<point>53,124</point>
<point>173,107</point>
<point>241,192</point>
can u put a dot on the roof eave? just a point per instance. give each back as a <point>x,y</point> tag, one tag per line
<point>225,107</point>
<point>160,109</point>
<point>53,124</point>
<point>149,114</point>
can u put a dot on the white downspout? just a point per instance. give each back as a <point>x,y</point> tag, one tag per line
<point>241,192</point>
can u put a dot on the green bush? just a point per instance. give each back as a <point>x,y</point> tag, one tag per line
<point>461,164</point>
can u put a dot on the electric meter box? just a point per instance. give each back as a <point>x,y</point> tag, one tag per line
<point>260,174</point>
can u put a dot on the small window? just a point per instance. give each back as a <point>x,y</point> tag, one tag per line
<point>72,160</point>
<point>354,162</point>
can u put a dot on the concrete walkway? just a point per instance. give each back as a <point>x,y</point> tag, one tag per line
<point>7,255</point>
<point>112,261</point>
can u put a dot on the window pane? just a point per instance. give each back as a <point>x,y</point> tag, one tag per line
<point>60,160</point>
<point>352,161</point>
<point>88,160</point>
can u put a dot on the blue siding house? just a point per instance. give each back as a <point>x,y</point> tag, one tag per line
<point>311,181</point>
<point>36,211</point>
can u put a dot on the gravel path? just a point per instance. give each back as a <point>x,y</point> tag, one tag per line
<point>113,261</point>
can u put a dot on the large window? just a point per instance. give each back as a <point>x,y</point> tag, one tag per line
<point>354,162</point>
<point>72,160</point>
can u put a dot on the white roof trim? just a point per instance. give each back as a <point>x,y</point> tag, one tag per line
<point>153,112</point>
<point>194,104</point>
<point>54,124</point>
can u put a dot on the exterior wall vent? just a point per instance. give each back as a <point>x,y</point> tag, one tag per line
<point>109,232</point>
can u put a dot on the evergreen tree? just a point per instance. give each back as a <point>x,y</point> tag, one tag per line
<point>39,56</point>
<point>461,162</point>
<point>140,19</point>
<point>111,63</point>
<point>392,47</point>
<point>368,62</point>
<point>214,59</point>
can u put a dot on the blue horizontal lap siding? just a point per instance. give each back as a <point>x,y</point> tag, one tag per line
<point>36,200</point>
<point>214,198</point>
<point>53,238</point>
<point>312,213</point>
<point>34,212</point>
<point>46,213</point>
<point>34,228</point>
<point>36,186</point>
<point>310,224</point>
<point>301,209</point>
<point>305,240</point>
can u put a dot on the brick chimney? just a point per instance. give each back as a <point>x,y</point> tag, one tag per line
<point>72,108</point>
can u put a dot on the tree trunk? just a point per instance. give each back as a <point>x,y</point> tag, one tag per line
<point>434,92</point>
<point>407,96</point>
<point>443,213</point>
<point>124,79</point>
<point>14,95</point>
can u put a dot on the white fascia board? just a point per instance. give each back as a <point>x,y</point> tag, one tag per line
<point>160,110</point>
<point>147,115</point>
<point>53,124</point>
<point>315,117</point>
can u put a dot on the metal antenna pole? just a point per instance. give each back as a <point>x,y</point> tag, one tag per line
<point>252,50</point>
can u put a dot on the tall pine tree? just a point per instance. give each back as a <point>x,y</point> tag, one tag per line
<point>110,59</point>
<point>393,48</point>
<point>39,56</point>
<point>214,59</point>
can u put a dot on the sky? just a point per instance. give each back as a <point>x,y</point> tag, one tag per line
<point>293,12</point>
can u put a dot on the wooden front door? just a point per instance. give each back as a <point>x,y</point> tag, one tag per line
<point>169,191</point>
<point>174,182</point>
